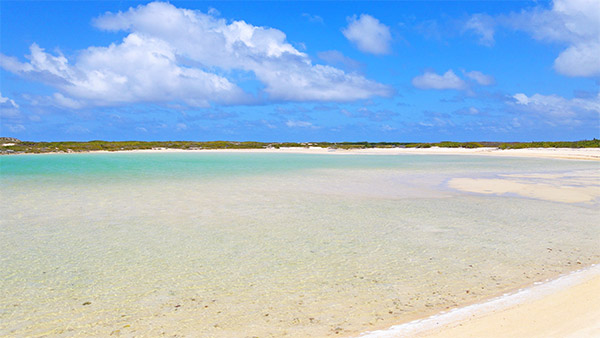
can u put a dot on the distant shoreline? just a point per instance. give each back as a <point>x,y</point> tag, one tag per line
<point>10,145</point>
<point>592,154</point>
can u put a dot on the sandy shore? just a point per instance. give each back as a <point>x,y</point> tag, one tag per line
<point>560,153</point>
<point>565,307</point>
<point>563,153</point>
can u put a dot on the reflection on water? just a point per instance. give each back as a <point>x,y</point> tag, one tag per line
<point>291,245</point>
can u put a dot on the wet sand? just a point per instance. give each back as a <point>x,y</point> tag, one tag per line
<point>565,307</point>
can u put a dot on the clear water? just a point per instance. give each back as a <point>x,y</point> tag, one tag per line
<point>268,245</point>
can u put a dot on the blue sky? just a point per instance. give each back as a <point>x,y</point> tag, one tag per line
<point>300,71</point>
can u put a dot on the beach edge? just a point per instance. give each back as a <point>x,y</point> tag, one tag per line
<point>562,307</point>
<point>589,154</point>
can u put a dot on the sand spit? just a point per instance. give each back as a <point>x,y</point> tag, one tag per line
<point>568,306</point>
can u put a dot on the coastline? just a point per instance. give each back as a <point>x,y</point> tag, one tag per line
<point>592,154</point>
<point>567,306</point>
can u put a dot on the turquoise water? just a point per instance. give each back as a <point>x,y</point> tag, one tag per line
<point>269,245</point>
<point>163,165</point>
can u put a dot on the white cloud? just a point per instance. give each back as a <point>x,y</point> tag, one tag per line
<point>8,108</point>
<point>574,23</point>
<point>368,34</point>
<point>431,80</point>
<point>179,55</point>
<point>181,126</point>
<point>449,80</point>
<point>579,60</point>
<point>140,69</point>
<point>482,25</point>
<point>5,102</point>
<point>67,102</point>
<point>301,124</point>
<point>558,108</point>
<point>336,58</point>
<point>239,45</point>
<point>480,78</point>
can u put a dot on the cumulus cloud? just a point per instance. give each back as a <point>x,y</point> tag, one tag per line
<point>431,80</point>
<point>140,69</point>
<point>368,34</point>
<point>557,108</point>
<point>178,55</point>
<point>574,23</point>
<point>579,60</point>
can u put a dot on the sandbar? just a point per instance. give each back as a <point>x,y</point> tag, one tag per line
<point>574,187</point>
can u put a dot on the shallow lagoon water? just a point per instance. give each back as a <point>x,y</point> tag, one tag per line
<point>268,245</point>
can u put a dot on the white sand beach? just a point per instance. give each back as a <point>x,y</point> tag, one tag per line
<point>558,153</point>
<point>562,153</point>
<point>568,306</point>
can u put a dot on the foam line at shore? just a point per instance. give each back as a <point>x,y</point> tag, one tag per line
<point>458,316</point>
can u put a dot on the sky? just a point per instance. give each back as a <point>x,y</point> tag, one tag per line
<point>300,71</point>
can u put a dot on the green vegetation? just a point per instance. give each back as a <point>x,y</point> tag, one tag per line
<point>560,144</point>
<point>14,146</point>
<point>510,145</point>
